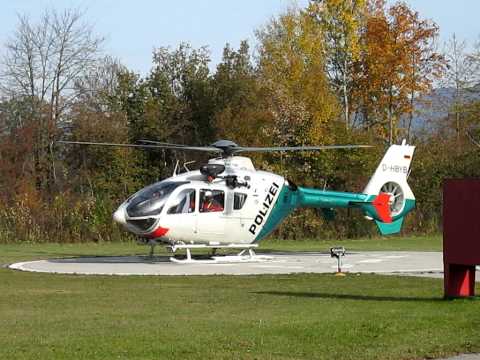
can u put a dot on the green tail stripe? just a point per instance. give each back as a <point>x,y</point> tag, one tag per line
<point>328,199</point>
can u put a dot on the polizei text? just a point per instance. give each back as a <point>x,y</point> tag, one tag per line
<point>266,206</point>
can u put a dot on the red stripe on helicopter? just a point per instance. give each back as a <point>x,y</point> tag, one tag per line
<point>382,206</point>
<point>158,232</point>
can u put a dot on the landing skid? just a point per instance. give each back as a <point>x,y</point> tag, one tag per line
<point>247,254</point>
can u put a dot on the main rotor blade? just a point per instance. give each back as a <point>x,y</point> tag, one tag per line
<point>146,146</point>
<point>298,148</point>
<point>160,143</point>
<point>168,145</point>
<point>227,148</point>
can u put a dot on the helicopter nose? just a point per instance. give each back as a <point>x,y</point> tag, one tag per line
<point>119,216</point>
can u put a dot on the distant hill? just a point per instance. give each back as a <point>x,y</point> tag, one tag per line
<point>431,109</point>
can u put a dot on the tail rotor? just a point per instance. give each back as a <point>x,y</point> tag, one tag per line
<point>396,196</point>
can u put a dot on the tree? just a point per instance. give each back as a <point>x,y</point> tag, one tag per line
<point>340,22</point>
<point>97,115</point>
<point>460,77</point>
<point>398,63</point>
<point>426,65</point>
<point>291,68</point>
<point>183,75</point>
<point>98,88</point>
<point>42,61</point>
<point>302,107</point>
<point>239,103</point>
<point>173,104</point>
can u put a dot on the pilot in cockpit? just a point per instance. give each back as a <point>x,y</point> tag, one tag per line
<point>210,203</point>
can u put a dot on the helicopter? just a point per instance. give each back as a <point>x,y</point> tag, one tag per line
<point>228,203</point>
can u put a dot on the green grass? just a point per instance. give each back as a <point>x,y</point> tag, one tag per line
<point>396,243</point>
<point>306,316</point>
<point>10,253</point>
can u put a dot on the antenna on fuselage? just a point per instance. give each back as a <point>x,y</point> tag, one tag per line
<point>187,163</point>
<point>175,169</point>
<point>177,166</point>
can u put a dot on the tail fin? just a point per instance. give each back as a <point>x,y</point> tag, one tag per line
<point>388,189</point>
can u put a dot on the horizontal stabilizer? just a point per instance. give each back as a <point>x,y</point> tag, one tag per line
<point>390,228</point>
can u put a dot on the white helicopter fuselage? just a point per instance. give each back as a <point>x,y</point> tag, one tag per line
<point>237,216</point>
<point>229,202</point>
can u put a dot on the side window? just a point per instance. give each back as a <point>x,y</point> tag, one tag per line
<point>185,202</point>
<point>239,200</point>
<point>212,200</point>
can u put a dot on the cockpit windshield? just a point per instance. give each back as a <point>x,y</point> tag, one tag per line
<point>150,201</point>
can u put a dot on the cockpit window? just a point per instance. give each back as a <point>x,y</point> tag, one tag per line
<point>150,201</point>
<point>211,201</point>
<point>185,202</point>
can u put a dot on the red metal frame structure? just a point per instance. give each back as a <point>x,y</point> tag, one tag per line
<point>461,236</point>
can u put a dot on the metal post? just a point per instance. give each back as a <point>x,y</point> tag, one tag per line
<point>338,252</point>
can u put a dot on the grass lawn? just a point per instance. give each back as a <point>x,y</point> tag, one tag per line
<point>391,243</point>
<point>306,316</point>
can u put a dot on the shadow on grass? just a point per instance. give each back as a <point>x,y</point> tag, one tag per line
<point>348,296</point>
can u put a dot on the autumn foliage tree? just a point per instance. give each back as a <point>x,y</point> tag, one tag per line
<point>340,22</point>
<point>398,63</point>
<point>291,69</point>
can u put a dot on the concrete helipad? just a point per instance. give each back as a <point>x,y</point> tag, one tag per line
<point>426,263</point>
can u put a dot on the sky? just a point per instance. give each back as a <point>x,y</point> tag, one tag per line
<point>133,28</point>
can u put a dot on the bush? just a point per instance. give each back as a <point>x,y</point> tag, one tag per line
<point>66,218</point>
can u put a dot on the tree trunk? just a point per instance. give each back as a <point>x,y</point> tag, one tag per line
<point>410,117</point>
<point>390,117</point>
<point>345,96</point>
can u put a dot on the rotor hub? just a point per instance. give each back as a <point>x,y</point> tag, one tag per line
<point>228,147</point>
